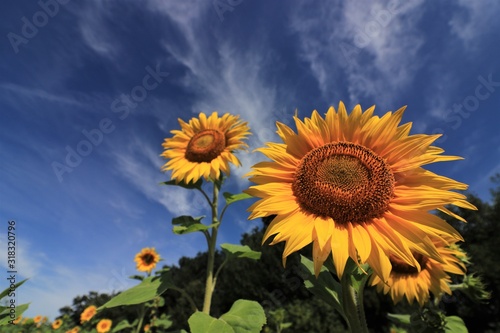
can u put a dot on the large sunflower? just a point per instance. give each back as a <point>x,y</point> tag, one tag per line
<point>147,259</point>
<point>204,147</point>
<point>354,186</point>
<point>433,276</point>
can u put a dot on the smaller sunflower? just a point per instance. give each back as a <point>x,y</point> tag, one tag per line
<point>56,324</point>
<point>104,325</point>
<point>406,280</point>
<point>88,313</point>
<point>147,259</point>
<point>37,319</point>
<point>204,147</point>
<point>18,320</point>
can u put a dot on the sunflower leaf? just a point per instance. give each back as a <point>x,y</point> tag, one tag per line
<point>245,316</point>
<point>240,251</point>
<point>186,224</point>
<point>324,286</point>
<point>5,313</point>
<point>455,324</point>
<point>231,198</point>
<point>121,326</point>
<point>200,322</point>
<point>188,186</point>
<point>145,291</point>
<point>9,290</point>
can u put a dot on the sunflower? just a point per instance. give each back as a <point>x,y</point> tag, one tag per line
<point>433,276</point>
<point>354,186</point>
<point>147,259</point>
<point>204,147</point>
<point>37,319</point>
<point>56,324</point>
<point>104,326</point>
<point>88,313</point>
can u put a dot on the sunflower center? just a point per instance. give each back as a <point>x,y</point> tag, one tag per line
<point>148,259</point>
<point>205,146</point>
<point>344,181</point>
<point>402,268</point>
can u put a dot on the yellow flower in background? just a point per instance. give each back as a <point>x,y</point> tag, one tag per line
<point>75,329</point>
<point>147,259</point>
<point>147,328</point>
<point>104,326</point>
<point>354,186</point>
<point>204,147</point>
<point>433,276</point>
<point>17,320</point>
<point>56,324</point>
<point>88,313</point>
<point>37,319</point>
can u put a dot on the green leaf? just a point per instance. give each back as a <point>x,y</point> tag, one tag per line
<point>188,186</point>
<point>403,319</point>
<point>145,291</point>
<point>200,322</point>
<point>186,224</point>
<point>324,286</point>
<point>230,198</point>
<point>240,251</point>
<point>455,324</point>
<point>122,325</point>
<point>164,322</point>
<point>178,331</point>
<point>5,313</point>
<point>8,290</point>
<point>245,317</point>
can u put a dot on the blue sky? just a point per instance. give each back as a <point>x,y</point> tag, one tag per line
<point>130,70</point>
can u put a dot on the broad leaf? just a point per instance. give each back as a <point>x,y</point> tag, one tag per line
<point>230,198</point>
<point>245,316</point>
<point>145,291</point>
<point>5,313</point>
<point>403,319</point>
<point>200,322</point>
<point>240,251</point>
<point>186,224</point>
<point>324,286</point>
<point>8,290</point>
<point>122,325</point>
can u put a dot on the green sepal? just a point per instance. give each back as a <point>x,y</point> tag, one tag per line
<point>455,324</point>
<point>145,291</point>
<point>231,198</point>
<point>402,319</point>
<point>188,186</point>
<point>186,224</point>
<point>324,286</point>
<point>239,251</point>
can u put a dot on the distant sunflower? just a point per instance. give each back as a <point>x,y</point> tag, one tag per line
<point>147,259</point>
<point>56,324</point>
<point>353,186</point>
<point>37,319</point>
<point>433,276</point>
<point>88,313</point>
<point>204,147</point>
<point>104,326</point>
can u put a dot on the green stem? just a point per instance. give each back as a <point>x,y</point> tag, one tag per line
<point>212,241</point>
<point>353,306</point>
<point>141,318</point>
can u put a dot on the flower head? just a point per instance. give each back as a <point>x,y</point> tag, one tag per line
<point>433,276</point>
<point>37,319</point>
<point>147,259</point>
<point>104,325</point>
<point>56,324</point>
<point>88,313</point>
<point>353,186</point>
<point>204,147</point>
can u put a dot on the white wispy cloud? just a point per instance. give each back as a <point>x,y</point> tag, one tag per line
<point>372,45</point>
<point>473,19</point>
